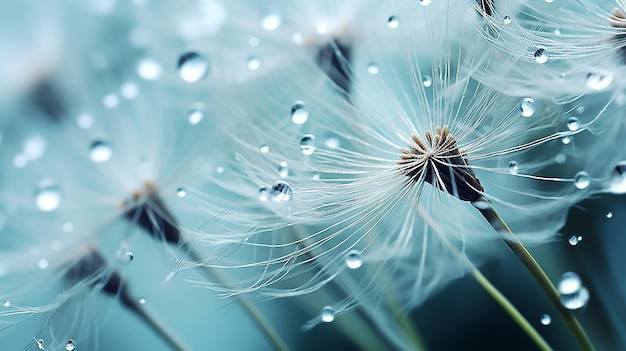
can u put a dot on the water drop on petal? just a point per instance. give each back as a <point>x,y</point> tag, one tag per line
<point>328,314</point>
<point>582,180</point>
<point>47,195</point>
<point>70,345</point>
<point>546,319</point>
<point>149,69</point>
<point>299,113</point>
<point>308,144</point>
<point>528,107</point>
<point>100,151</point>
<point>280,192</point>
<point>193,66</point>
<point>541,55</point>
<point>353,259</point>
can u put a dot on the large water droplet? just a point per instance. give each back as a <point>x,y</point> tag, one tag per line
<point>193,66</point>
<point>582,180</point>
<point>393,22</point>
<point>149,69</point>
<point>328,314</point>
<point>373,68</point>
<point>573,124</point>
<point>299,113</point>
<point>100,151</point>
<point>70,345</point>
<point>280,191</point>
<point>541,55</point>
<point>618,179</point>
<point>574,295</point>
<point>598,81</point>
<point>308,144</point>
<point>353,259</point>
<point>513,167</point>
<point>546,319</point>
<point>47,195</point>
<point>574,239</point>
<point>528,107</point>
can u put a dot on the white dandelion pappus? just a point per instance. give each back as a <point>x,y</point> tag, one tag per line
<point>295,217</point>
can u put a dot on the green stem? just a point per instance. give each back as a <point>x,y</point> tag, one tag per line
<point>255,314</point>
<point>537,272</point>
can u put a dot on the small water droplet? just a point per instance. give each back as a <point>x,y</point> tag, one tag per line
<point>574,295</point>
<point>271,22</point>
<point>181,192</point>
<point>618,179</point>
<point>528,107</point>
<point>254,63</point>
<point>149,69</point>
<point>299,113</point>
<point>315,176</point>
<point>219,169</point>
<point>195,116</point>
<point>280,191</point>
<point>264,149</point>
<point>283,169</point>
<point>573,124</point>
<point>393,22</point>
<point>582,180</point>
<point>507,19</point>
<point>142,300</point>
<point>111,101</point>
<point>129,90</point>
<point>43,263</point>
<point>353,259</point>
<point>308,144</point>
<point>40,344</point>
<point>427,81</point>
<point>328,314</point>
<point>546,319</point>
<point>373,68</point>
<point>541,55</point>
<point>598,81</point>
<point>574,240</point>
<point>425,2</point>
<point>560,158</point>
<point>193,66</point>
<point>609,215</point>
<point>70,345</point>
<point>123,256</point>
<point>47,195</point>
<point>264,194</point>
<point>513,167</point>
<point>100,151</point>
<point>6,303</point>
<point>566,140</point>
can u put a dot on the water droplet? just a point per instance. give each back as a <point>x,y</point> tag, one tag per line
<point>582,180</point>
<point>70,345</point>
<point>322,28</point>
<point>299,113</point>
<point>192,66</point>
<point>573,124</point>
<point>481,205</point>
<point>308,144</point>
<point>180,192</point>
<point>43,263</point>
<point>427,81</point>
<point>264,149</point>
<point>100,151</point>
<point>566,140</point>
<point>254,63</point>
<point>283,169</point>
<point>328,314</point>
<point>373,68</point>
<point>507,19</point>
<point>111,101</point>
<point>264,194</point>
<point>315,176</point>
<point>196,116</point>
<point>618,179</point>
<point>34,148</point>
<point>332,142</point>
<point>123,256</point>
<point>528,107</point>
<point>271,22</point>
<point>84,121</point>
<point>48,195</point>
<point>609,215</point>
<point>574,295</point>
<point>393,22</point>
<point>541,55</point>
<point>6,303</point>
<point>142,300</point>
<point>546,319</point>
<point>129,90</point>
<point>560,158</point>
<point>598,81</point>
<point>40,344</point>
<point>574,240</point>
<point>353,259</point>
<point>219,169</point>
<point>149,69</point>
<point>425,2</point>
<point>280,191</point>
<point>513,167</point>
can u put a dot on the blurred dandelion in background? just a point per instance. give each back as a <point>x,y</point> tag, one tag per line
<point>317,175</point>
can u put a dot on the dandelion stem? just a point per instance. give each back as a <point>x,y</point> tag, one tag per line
<point>255,314</point>
<point>537,272</point>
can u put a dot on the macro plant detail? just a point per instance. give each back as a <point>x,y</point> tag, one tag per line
<point>353,160</point>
